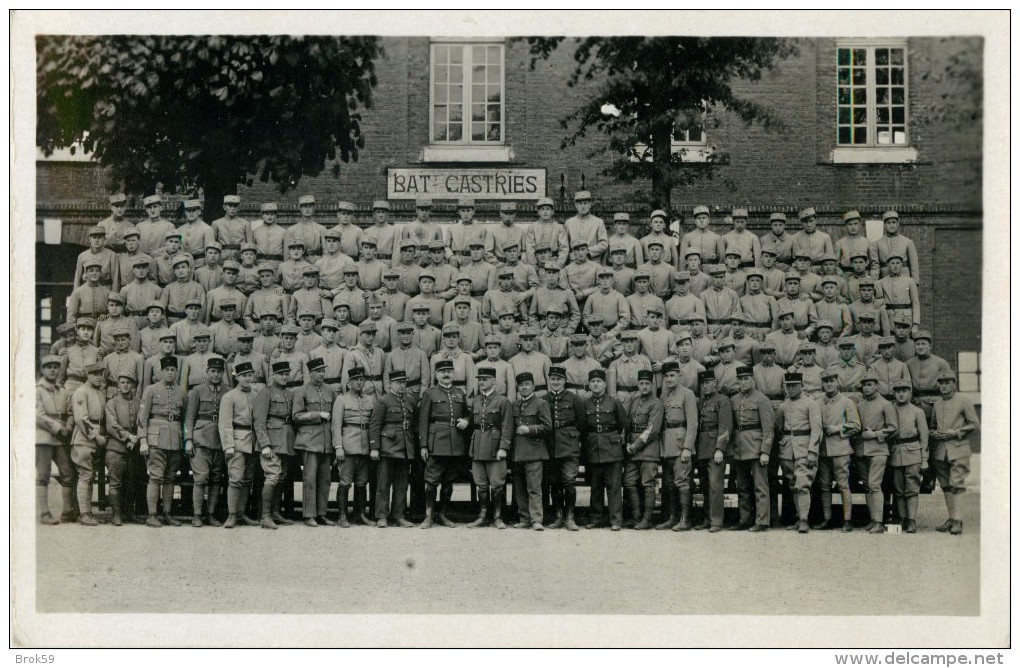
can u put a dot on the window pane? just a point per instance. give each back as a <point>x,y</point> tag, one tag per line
<point>969,382</point>
<point>495,95</point>
<point>899,135</point>
<point>897,95</point>
<point>494,132</point>
<point>478,93</point>
<point>478,55</point>
<point>882,96</point>
<point>477,112</point>
<point>492,113</point>
<point>457,75</point>
<point>456,132</point>
<point>898,114</point>
<point>860,135</point>
<point>843,78</point>
<point>860,96</point>
<point>478,74</point>
<point>882,76</point>
<point>439,132</point>
<point>844,115</point>
<point>478,131</point>
<point>897,75</point>
<point>844,96</point>
<point>881,56</point>
<point>456,112</point>
<point>456,93</point>
<point>859,78</point>
<point>439,112</point>
<point>860,115</point>
<point>494,54</point>
<point>882,114</point>
<point>695,134</point>
<point>457,54</point>
<point>442,53</point>
<point>494,73</point>
<point>860,57</point>
<point>441,74</point>
<point>843,56</point>
<point>884,137</point>
<point>843,135</point>
<point>967,362</point>
<point>896,56</point>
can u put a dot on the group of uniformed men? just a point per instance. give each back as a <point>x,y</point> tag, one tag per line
<point>400,350</point>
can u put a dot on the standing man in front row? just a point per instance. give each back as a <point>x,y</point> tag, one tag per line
<point>908,454</point>
<point>753,424</point>
<point>800,419</point>
<point>715,424</point>
<point>567,412</point>
<point>351,442</point>
<point>604,426</point>
<point>159,429</point>
<point>202,439</point>
<point>237,425</point>
<point>953,419</point>
<point>441,424</point>
<point>313,403</point>
<point>52,426</point>
<point>490,447</point>
<point>273,430</point>
<point>679,431</point>
<point>88,408</point>
<point>532,422</point>
<point>392,434</point>
<point>642,464</point>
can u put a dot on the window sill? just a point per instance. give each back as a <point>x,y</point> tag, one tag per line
<point>845,155</point>
<point>432,153</point>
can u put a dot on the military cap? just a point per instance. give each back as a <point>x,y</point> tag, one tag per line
<point>420,307</point>
<point>754,272</point>
<point>621,217</point>
<point>116,298</point>
<point>902,319</point>
<point>51,360</point>
<point>544,201</point>
<point>697,317</point>
<point>732,251</point>
<point>451,328</point>
<point>310,270</point>
<point>781,217</point>
<point>262,268</point>
<point>231,265</point>
<point>581,195</point>
<point>165,334</point>
<point>578,339</point>
<point>597,373</point>
<point>173,234</point>
<point>766,347</point>
<point>716,269</point>
<point>152,199</point>
<point>180,259</point>
<point>436,244</point>
<point>67,327</point>
<point>542,246</point>
<point>507,312</point>
<point>408,244</point>
<point>701,209</point>
<point>809,212</point>
<point>192,204</point>
<point>894,256</point>
<point>246,335</point>
<point>268,314</point>
<point>845,343</point>
<point>306,199</point>
<point>670,366</point>
<point>509,244</point>
<point>423,202</point>
<point>791,276</point>
<point>423,246</point>
<point>827,257</point>
<point>642,274</point>
<point>605,271</point>
<point>289,330</point>
<point>461,277</point>
<point>399,376</point>
<point>381,205</point>
<point>739,213</point>
<point>368,241</point>
<point>866,283</point>
<point>886,341</point>
<point>658,213</point>
<point>792,377</point>
<point>347,207</point>
<point>867,315</point>
<point>508,207</point>
<point>193,301</point>
<point>215,245</point>
<point>726,343</point>
<point>628,335</point>
<point>645,374</point>
<point>216,362</point>
<point>505,271</point>
<point>356,372</point>
<point>281,367</point>
<point>923,334</point>
<point>523,377</point>
<point>492,340</point>
<point>890,215</point>
<point>902,384</point>
<point>806,347</point>
<point>783,312</point>
<point>851,215</point>
<point>595,319</point>
<point>444,365</point>
<point>128,373</point>
<point>242,368</point>
<point>119,198</point>
<point>684,335</point>
<point>654,308</point>
<point>201,333</point>
<point>744,371</point>
<point>486,372</point>
<point>578,243</point>
<point>555,310</point>
<point>869,377</point>
<point>329,323</point>
<point>350,269</point>
<point>427,273</point>
<point>168,362</point>
<point>858,253</point>
<point>231,199</point>
<point>120,330</point>
<point>656,242</point>
<point>703,376</point>
<point>802,254</point>
<point>552,266</point>
<point>528,333</point>
<point>131,232</point>
<point>367,326</point>
<point>390,273</point>
<point>476,243</point>
<point>465,300</point>
<point>91,262</point>
<point>770,249</point>
<point>316,364</point>
<point>268,207</point>
<point>680,276</point>
<point>828,374</point>
<point>304,313</point>
<point>829,279</point>
<point>465,202</point>
<point>332,233</point>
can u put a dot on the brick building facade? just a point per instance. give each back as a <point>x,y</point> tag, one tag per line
<point>927,164</point>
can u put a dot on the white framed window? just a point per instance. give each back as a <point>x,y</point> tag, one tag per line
<point>466,103</point>
<point>872,102</point>
<point>690,145</point>
<point>969,374</point>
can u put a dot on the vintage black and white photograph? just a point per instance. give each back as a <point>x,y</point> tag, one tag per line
<point>483,319</point>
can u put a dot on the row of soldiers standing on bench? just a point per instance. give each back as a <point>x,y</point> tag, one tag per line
<point>723,305</point>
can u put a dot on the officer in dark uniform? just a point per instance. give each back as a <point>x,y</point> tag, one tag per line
<point>392,437</point>
<point>441,423</point>
<point>493,418</point>
<point>604,426</point>
<point>313,403</point>
<point>532,423</point>
<point>644,449</point>
<point>754,426</point>
<point>715,424</point>
<point>202,439</point>
<point>567,412</point>
<point>274,430</point>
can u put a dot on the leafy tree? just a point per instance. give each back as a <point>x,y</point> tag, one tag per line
<point>205,111</point>
<point>648,88</point>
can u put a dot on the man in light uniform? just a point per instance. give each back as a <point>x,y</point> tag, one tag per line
<point>236,427</point>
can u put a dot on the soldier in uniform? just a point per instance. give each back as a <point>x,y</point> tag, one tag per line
<point>567,412</point>
<point>350,427</point>
<point>299,371</point>
<point>236,430</point>
<point>604,426</point>
<point>908,454</point>
<point>682,305</point>
<point>840,423</point>
<point>368,357</point>
<point>753,423</point>
<point>425,336</point>
<point>715,426</point>
<point>504,378</point>
<point>164,258</point>
<point>546,231</point>
<point>392,441</point>
<point>247,270</point>
<point>532,423</point>
<point>141,292</point>
<point>312,412</point>
<point>780,241</point>
<point>183,290</point>
<point>608,303</point>
<point>702,239</point>
<point>274,436</point>
<point>466,230</point>
<point>159,431</point>
<point>680,426</point>
<point>493,419</point>
<point>643,450</point>
<point>88,408</point>
<point>894,243</point>
<point>155,228</point>
<point>122,358</point>
<point>871,450</point>
<point>269,236</point>
<point>269,298</point>
<point>578,365</point>
<point>88,300</point>
<point>52,427</point>
<point>505,234</point>
<point>587,228</point>
<point>441,423</point>
<point>116,224</point>
<point>800,419</point>
<point>622,378</point>
<point>394,301</point>
<point>202,440</point>
<point>953,419</point>
<point>109,274</point>
<point>848,369</point>
<point>554,297</point>
<point>531,361</point>
<point>126,467</point>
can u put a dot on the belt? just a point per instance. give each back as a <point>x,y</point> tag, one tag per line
<point>717,321</point>
<point>478,293</point>
<point>749,426</point>
<point>778,396</point>
<point>415,383</point>
<point>271,256</point>
<point>626,388</point>
<point>759,324</point>
<point>76,376</point>
<point>352,423</point>
<point>563,425</point>
<point>899,306</point>
<point>576,386</point>
<point>558,360</point>
<point>459,383</point>
<point>335,380</point>
<point>604,429</point>
<point>381,256</point>
<point>443,422</point>
<point>231,246</point>
<point>800,328</point>
<point>675,424</point>
<point>175,314</point>
<point>797,432</point>
<point>926,393</point>
<point>746,263</point>
<point>912,439</point>
<point>674,321</point>
<point>292,384</point>
<point>540,387</point>
<point>241,427</point>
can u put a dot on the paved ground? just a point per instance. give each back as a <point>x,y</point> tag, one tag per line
<point>369,570</point>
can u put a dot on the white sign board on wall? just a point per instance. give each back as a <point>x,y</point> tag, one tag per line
<point>452,183</point>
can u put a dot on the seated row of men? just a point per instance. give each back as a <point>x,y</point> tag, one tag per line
<point>624,441</point>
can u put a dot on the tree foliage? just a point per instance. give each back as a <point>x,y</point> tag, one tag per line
<point>205,111</point>
<point>658,86</point>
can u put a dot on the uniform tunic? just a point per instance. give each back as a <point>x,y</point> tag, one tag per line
<point>680,421</point>
<point>661,278</point>
<point>899,245</point>
<point>621,379</point>
<point>109,272</point>
<point>428,338</point>
<point>551,233</point>
<point>589,229</point>
<point>837,314</point>
<point>878,415</point>
<point>159,417</point>
<point>838,411</point>
<point>459,238</point>
<point>566,410</point>
<point>441,409</point>
<point>534,414</point>
<point>435,304</point>
<point>706,242</point>
<point>313,432</point>
<point>176,294</point>
<point>268,239</point>
<point>910,447</point>
<point>554,344</point>
<point>720,305</point>
<point>369,359</point>
<point>816,244</point>
<point>393,426</point>
<point>578,369</point>
<point>384,237</point>
<point>414,363</point>
<point>546,298</point>
<point>901,297</point>
<point>231,233</point>
<point>639,304</point>
<point>745,243</point>
<point>787,346</point>
<point>356,299</point>
<point>266,300</point>
<point>492,415</point>
<point>152,234</point>
<point>849,246</point>
<point>536,363</point>
<point>350,422</point>
<point>117,363</point>
<point>637,251</point>
<point>681,308</point>
<point>271,415</point>
<point>580,276</point>
<point>782,244</point>
<point>888,373</point>
<point>504,234</point>
<point>804,313</point>
<point>331,269</point>
<point>505,382</point>
<point>396,304</point>
<point>87,301</point>
<point>463,369</point>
